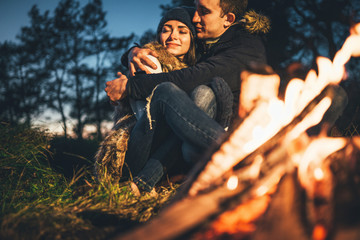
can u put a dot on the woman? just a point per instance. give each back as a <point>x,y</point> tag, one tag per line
<point>175,46</point>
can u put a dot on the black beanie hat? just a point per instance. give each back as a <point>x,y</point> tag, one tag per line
<point>181,14</point>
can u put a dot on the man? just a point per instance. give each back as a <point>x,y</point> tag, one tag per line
<point>227,49</point>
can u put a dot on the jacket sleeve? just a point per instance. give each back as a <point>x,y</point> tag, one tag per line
<point>227,63</point>
<point>124,58</point>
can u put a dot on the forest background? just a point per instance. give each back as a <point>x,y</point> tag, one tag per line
<point>62,59</point>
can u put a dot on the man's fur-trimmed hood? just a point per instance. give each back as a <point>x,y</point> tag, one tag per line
<point>255,23</point>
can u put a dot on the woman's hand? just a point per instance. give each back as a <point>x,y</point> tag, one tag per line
<point>116,89</point>
<point>138,59</point>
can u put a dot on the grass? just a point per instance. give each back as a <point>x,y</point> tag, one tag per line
<point>38,201</point>
<point>40,198</point>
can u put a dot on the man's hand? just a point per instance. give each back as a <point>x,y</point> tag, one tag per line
<point>138,59</point>
<point>116,89</point>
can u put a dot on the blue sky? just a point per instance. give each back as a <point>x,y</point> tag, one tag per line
<point>123,16</point>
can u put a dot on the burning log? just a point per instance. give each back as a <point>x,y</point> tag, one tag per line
<point>293,214</point>
<point>282,219</point>
<point>276,144</point>
<point>189,213</point>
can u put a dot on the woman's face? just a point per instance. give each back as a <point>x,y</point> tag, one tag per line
<point>175,37</point>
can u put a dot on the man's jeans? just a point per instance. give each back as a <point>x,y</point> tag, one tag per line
<point>172,111</point>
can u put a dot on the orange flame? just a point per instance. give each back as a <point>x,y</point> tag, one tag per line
<point>239,220</point>
<point>310,165</point>
<point>319,232</point>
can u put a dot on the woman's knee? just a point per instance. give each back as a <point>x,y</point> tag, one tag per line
<point>202,93</point>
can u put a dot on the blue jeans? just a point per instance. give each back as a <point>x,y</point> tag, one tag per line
<point>172,112</point>
<point>204,98</point>
<point>138,107</point>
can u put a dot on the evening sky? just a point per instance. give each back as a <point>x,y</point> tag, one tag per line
<point>124,17</point>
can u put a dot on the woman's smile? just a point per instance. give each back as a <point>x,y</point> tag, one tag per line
<point>172,44</point>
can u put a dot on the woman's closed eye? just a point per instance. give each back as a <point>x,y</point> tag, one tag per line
<point>166,29</point>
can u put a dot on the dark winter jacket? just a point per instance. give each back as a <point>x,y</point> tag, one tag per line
<point>235,50</point>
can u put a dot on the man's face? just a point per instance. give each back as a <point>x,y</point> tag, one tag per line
<point>207,19</point>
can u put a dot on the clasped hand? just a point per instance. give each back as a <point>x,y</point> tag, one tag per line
<point>138,58</point>
<point>116,89</point>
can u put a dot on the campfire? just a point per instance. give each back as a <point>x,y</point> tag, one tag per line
<point>235,187</point>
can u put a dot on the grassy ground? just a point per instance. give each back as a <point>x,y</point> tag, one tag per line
<point>40,201</point>
<point>48,190</point>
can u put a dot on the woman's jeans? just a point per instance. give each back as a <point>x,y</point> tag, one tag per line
<point>138,107</point>
<point>151,143</point>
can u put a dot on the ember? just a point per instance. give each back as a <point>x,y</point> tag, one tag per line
<point>318,174</point>
<point>232,183</point>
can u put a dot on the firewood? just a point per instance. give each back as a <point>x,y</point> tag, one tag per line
<point>187,213</point>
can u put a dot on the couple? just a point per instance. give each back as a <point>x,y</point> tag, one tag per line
<point>229,41</point>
